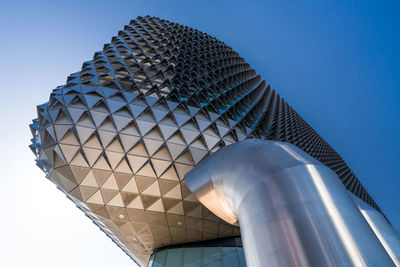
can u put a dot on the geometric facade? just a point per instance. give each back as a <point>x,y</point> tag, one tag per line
<point>121,134</point>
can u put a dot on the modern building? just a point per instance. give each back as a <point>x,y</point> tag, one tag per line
<point>120,137</point>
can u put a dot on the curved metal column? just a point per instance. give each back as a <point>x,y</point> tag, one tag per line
<point>381,228</point>
<point>293,210</point>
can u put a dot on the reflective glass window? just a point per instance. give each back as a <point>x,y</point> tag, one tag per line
<point>151,260</point>
<point>192,257</point>
<point>229,257</point>
<point>212,257</point>
<point>220,256</point>
<point>159,259</point>
<point>174,257</point>
<point>242,259</point>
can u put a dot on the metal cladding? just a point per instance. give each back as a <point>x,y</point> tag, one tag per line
<point>292,209</point>
<point>382,229</point>
<point>120,135</point>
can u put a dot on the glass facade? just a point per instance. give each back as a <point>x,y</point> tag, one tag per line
<point>198,257</point>
<point>217,253</point>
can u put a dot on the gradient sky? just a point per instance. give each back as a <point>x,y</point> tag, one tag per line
<point>336,62</point>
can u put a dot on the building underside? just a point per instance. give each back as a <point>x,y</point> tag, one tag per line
<point>120,135</point>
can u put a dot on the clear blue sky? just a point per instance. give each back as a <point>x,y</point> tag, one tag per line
<point>336,62</point>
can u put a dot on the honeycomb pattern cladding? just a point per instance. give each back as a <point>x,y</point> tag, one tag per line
<point>120,135</point>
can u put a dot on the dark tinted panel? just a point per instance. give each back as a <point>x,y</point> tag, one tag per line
<point>229,257</point>
<point>212,257</point>
<point>174,257</point>
<point>192,257</point>
<point>242,259</point>
<point>159,259</point>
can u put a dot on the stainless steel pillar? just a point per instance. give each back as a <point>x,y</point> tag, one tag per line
<point>382,229</point>
<point>292,209</point>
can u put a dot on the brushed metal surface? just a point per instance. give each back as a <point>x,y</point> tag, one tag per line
<point>382,229</point>
<point>292,209</point>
